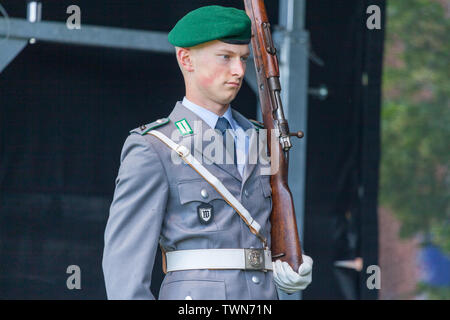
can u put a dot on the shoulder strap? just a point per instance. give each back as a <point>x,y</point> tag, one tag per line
<point>185,154</point>
<point>142,130</point>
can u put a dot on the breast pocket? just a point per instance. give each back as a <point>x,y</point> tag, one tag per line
<point>266,188</point>
<point>202,207</point>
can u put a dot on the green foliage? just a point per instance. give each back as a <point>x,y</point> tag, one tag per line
<point>415,163</point>
<point>434,293</point>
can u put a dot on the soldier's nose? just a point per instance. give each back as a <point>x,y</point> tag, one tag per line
<point>238,68</point>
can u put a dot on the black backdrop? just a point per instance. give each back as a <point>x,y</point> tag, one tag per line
<point>65,112</point>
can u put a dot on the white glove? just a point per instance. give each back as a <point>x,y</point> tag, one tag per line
<point>290,281</point>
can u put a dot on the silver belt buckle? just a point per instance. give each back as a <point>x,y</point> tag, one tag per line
<point>254,259</point>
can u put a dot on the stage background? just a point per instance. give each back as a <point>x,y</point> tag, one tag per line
<point>65,112</point>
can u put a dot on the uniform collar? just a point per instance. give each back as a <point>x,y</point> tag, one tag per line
<point>198,125</point>
<point>182,112</point>
<point>208,116</point>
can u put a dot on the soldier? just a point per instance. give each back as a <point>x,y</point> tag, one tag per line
<point>209,216</point>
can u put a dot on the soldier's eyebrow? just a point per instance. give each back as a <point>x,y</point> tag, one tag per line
<point>232,52</point>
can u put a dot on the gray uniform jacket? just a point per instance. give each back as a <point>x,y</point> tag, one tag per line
<point>155,202</point>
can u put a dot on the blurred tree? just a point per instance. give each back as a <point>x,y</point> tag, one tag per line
<point>415,175</point>
<point>415,163</point>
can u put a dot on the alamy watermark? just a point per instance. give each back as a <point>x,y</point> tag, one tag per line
<point>209,147</point>
<point>374,280</point>
<point>74,280</point>
<point>74,20</point>
<point>374,20</point>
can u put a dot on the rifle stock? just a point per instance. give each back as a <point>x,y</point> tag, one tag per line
<point>285,243</point>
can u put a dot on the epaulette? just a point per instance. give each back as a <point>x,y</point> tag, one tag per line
<point>142,130</point>
<point>258,125</point>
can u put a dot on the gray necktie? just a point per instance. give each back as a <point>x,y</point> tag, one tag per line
<point>222,125</point>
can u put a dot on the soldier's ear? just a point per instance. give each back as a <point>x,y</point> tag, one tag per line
<point>185,59</point>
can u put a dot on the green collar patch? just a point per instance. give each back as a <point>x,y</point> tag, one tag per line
<point>184,127</point>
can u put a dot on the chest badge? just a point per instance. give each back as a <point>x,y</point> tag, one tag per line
<point>205,213</point>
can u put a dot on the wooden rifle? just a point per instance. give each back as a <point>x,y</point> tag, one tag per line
<point>285,243</point>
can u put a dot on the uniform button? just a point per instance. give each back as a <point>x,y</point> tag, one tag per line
<point>188,298</point>
<point>204,193</point>
<point>255,279</point>
<point>246,192</point>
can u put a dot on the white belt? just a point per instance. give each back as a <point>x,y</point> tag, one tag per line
<point>245,259</point>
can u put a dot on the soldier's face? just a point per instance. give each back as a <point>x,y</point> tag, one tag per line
<point>219,70</point>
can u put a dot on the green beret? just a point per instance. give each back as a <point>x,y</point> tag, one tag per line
<point>209,23</point>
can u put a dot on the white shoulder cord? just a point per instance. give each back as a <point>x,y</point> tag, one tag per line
<point>186,155</point>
